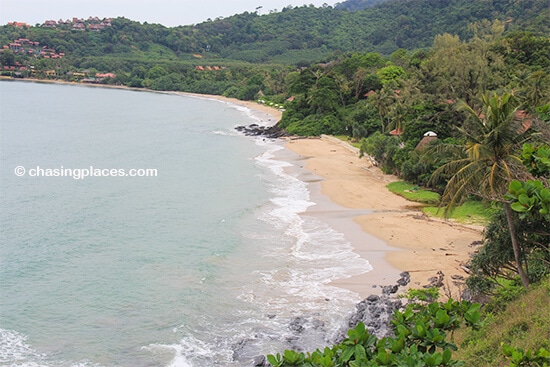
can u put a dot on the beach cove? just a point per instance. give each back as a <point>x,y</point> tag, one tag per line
<point>411,241</point>
<point>273,254</point>
<point>388,230</point>
<point>392,233</point>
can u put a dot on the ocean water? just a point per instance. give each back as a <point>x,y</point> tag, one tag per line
<point>206,263</point>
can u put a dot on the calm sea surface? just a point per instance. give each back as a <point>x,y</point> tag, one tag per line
<point>205,264</point>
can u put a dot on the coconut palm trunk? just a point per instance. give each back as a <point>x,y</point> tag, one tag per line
<point>493,137</point>
<point>515,246</point>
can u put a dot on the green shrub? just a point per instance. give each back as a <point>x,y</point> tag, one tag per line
<point>420,340</point>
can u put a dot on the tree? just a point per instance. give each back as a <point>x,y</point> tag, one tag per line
<point>7,58</point>
<point>323,95</point>
<point>391,74</point>
<point>493,136</point>
<point>383,100</point>
<point>461,70</point>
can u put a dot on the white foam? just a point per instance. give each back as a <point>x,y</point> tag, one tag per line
<point>225,133</point>
<point>308,257</point>
<point>15,351</point>
<point>179,359</point>
<point>193,352</point>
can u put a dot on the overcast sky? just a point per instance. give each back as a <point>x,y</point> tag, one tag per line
<point>167,12</point>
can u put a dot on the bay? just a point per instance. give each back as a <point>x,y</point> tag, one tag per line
<point>205,263</point>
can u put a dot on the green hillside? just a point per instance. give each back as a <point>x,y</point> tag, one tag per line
<point>451,96</point>
<point>295,35</point>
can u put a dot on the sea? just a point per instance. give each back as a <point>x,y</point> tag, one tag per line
<point>141,229</point>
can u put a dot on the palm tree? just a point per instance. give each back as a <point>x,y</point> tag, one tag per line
<point>383,100</point>
<point>490,162</point>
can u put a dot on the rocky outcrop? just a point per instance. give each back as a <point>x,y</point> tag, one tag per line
<point>374,311</point>
<point>271,132</point>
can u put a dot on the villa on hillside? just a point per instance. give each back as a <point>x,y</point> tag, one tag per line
<point>19,24</point>
<point>31,48</point>
<point>94,24</point>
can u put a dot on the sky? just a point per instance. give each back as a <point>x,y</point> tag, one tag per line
<point>166,12</point>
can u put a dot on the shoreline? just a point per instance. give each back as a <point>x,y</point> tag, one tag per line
<point>270,115</point>
<point>385,229</point>
<point>343,220</point>
<point>396,236</point>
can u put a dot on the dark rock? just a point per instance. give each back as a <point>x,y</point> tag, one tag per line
<point>436,281</point>
<point>271,132</point>
<point>376,311</point>
<point>405,279</point>
<point>297,325</point>
<point>373,298</point>
<point>260,361</point>
<point>390,289</point>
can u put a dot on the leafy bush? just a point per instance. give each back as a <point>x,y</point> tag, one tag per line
<point>420,340</point>
<point>383,149</point>
<point>518,357</point>
<point>495,259</point>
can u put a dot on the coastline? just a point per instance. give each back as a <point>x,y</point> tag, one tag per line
<point>269,115</point>
<point>384,228</point>
<point>397,236</point>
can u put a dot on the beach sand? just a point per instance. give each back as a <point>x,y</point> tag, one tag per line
<point>401,237</point>
<point>389,231</point>
<point>270,115</point>
<point>384,228</point>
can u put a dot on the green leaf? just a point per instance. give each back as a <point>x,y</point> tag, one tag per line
<point>420,329</point>
<point>525,200</point>
<point>515,186</point>
<point>442,319</point>
<point>360,352</point>
<point>275,361</point>
<point>383,358</point>
<point>447,355</point>
<point>398,345</point>
<point>545,195</point>
<point>518,207</point>
<point>347,354</point>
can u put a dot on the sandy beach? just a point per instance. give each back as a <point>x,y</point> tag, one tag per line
<point>270,115</point>
<point>389,231</point>
<point>384,228</point>
<point>407,239</point>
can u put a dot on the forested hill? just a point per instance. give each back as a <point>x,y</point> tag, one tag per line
<point>306,33</point>
<point>355,5</point>
<point>295,35</point>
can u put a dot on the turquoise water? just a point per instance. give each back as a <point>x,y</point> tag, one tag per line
<point>183,268</point>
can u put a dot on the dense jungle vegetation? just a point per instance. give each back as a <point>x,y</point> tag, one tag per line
<point>452,96</point>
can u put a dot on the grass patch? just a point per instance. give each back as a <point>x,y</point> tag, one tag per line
<point>413,193</point>
<point>523,324</point>
<point>347,139</point>
<point>471,212</point>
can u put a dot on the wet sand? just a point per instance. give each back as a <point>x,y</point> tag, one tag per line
<point>397,235</point>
